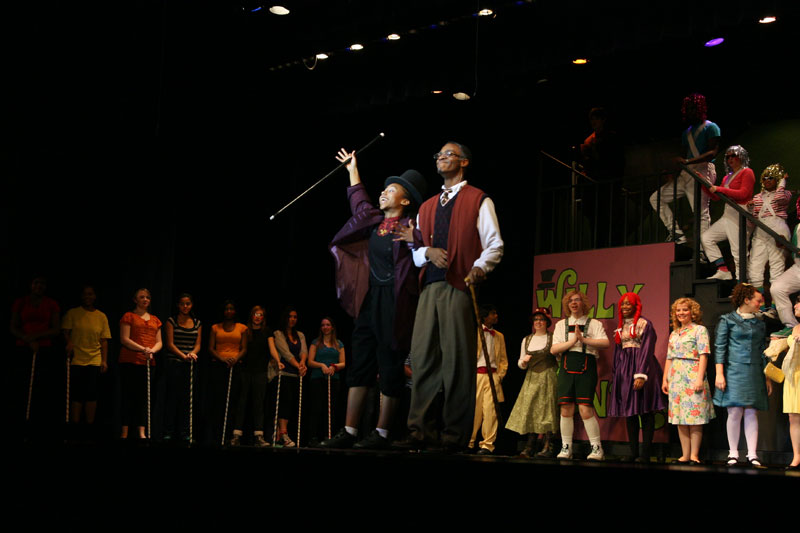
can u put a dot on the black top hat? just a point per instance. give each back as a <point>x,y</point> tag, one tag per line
<point>414,184</point>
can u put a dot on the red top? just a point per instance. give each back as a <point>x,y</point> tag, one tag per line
<point>143,333</point>
<point>739,189</point>
<point>35,319</point>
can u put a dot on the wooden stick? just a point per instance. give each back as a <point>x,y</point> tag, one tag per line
<point>66,418</point>
<point>329,406</point>
<point>191,399</point>
<point>148,397</point>
<point>227,401</point>
<point>277,404</point>
<point>299,407</point>
<point>30,387</point>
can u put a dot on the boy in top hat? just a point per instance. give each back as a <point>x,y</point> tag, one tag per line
<point>376,283</point>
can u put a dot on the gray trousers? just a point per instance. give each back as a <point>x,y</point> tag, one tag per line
<point>443,352</point>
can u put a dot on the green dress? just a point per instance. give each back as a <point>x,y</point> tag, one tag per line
<point>535,410</point>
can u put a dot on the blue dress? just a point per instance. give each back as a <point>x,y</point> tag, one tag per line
<point>739,346</point>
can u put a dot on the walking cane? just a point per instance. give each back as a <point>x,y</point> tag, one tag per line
<point>299,407</point>
<point>277,403</point>
<point>227,401</point>
<point>486,356</point>
<point>329,406</point>
<point>148,396</point>
<point>66,418</point>
<point>191,398</point>
<point>30,387</point>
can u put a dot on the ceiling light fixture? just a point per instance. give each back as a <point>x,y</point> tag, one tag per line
<point>714,42</point>
<point>393,37</point>
<point>767,19</point>
<point>356,47</point>
<point>485,12</point>
<point>580,61</point>
<point>278,10</point>
<point>461,96</point>
<point>322,56</point>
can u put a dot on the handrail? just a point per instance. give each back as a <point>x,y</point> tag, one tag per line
<point>743,212</point>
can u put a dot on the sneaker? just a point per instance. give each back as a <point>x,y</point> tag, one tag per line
<point>285,441</point>
<point>721,275</point>
<point>597,453</point>
<point>678,237</point>
<point>236,440</point>
<point>566,452</point>
<point>259,442</point>
<point>342,441</point>
<point>373,441</point>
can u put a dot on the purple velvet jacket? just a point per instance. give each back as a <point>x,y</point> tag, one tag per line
<point>350,248</point>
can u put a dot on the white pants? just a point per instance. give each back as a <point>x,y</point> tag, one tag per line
<point>685,189</point>
<point>783,287</point>
<point>764,250</point>
<point>726,228</point>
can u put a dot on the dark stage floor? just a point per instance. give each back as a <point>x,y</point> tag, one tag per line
<point>203,486</point>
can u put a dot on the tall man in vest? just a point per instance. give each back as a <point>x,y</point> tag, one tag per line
<point>700,141</point>
<point>461,245</point>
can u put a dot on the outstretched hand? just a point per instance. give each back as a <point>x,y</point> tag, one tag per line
<point>343,155</point>
<point>404,233</point>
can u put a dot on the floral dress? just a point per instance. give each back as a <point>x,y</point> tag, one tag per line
<point>687,407</point>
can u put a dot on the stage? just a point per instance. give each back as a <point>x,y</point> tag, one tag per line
<point>154,485</point>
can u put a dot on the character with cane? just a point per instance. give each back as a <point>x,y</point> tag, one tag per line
<point>326,359</point>
<point>227,344</point>
<point>292,348</point>
<point>183,338</point>
<point>140,336</point>
<point>86,333</point>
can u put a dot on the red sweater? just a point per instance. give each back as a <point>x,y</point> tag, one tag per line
<point>739,189</point>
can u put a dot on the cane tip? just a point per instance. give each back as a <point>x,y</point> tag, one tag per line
<point>383,134</point>
<point>272,217</point>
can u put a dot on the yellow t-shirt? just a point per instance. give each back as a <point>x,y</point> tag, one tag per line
<point>86,330</point>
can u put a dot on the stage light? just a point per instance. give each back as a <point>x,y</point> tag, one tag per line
<point>485,12</point>
<point>437,91</point>
<point>393,37</point>
<point>767,19</point>
<point>322,56</point>
<point>278,10</point>
<point>714,42</point>
<point>356,47</point>
<point>580,61</point>
<point>461,96</point>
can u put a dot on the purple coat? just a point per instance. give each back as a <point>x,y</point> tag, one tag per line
<point>350,248</point>
<point>630,363</point>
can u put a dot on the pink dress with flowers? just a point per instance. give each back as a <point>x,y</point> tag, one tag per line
<point>687,407</point>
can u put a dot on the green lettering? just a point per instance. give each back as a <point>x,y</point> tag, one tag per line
<point>600,406</point>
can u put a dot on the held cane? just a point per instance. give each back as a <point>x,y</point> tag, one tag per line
<point>329,406</point>
<point>299,407</point>
<point>66,417</point>
<point>277,403</point>
<point>500,421</point>
<point>329,174</point>
<point>30,388</point>
<point>191,397</point>
<point>148,396</point>
<point>227,401</point>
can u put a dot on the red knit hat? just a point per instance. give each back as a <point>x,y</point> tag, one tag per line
<point>634,299</point>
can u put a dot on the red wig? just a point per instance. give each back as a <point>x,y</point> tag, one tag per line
<point>634,299</point>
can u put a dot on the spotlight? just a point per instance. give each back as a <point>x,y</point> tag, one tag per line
<point>393,37</point>
<point>437,91</point>
<point>714,42</point>
<point>580,61</point>
<point>278,10</point>
<point>485,12</point>
<point>356,47</point>
<point>767,19</point>
<point>322,56</point>
<point>461,96</point>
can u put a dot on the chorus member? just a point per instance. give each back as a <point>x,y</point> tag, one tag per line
<point>738,186</point>
<point>689,403</point>
<point>636,376</point>
<point>326,360</point>
<point>86,333</point>
<point>700,144</point>
<point>461,244</point>
<point>485,413</point>
<point>253,376</point>
<point>183,333</point>
<point>227,344</point>
<point>741,386</point>
<point>377,285</point>
<point>577,341</point>
<point>769,207</point>
<point>35,322</point>
<point>535,411</point>
<point>292,348</point>
<point>140,337</point>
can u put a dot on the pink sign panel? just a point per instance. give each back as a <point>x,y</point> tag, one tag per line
<point>604,275</point>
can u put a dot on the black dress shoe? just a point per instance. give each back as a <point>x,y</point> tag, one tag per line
<point>485,451</point>
<point>374,441</point>
<point>409,444</point>
<point>341,441</point>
